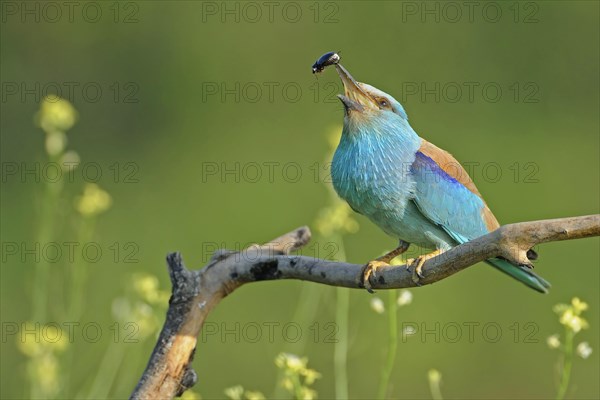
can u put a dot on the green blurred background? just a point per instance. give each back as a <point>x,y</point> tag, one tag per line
<point>166,57</point>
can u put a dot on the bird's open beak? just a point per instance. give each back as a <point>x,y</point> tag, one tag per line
<point>354,97</point>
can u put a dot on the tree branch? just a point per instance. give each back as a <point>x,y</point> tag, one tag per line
<point>196,293</point>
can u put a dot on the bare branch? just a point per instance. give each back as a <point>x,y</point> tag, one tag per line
<point>195,293</point>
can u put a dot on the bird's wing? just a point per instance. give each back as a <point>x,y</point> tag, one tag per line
<point>447,196</point>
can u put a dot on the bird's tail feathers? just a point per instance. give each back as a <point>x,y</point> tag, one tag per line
<point>522,273</point>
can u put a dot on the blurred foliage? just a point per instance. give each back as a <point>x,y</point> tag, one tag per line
<point>298,378</point>
<point>570,316</point>
<point>155,132</point>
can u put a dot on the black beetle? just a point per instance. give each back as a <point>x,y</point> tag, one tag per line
<point>325,60</point>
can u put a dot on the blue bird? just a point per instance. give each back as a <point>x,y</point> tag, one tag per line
<point>408,187</point>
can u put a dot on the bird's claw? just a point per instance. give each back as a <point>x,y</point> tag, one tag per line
<point>371,271</point>
<point>417,272</point>
<point>418,262</point>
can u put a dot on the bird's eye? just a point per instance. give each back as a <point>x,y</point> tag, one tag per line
<point>383,103</point>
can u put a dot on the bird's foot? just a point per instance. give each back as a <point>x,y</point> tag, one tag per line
<point>371,271</point>
<point>417,264</point>
<point>383,261</point>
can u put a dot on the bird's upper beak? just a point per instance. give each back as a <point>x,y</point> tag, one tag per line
<point>354,97</point>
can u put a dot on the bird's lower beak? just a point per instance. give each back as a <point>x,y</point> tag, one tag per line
<point>354,97</point>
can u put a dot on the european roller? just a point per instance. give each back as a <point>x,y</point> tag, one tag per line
<point>411,189</point>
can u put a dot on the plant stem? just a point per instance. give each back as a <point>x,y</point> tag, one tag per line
<point>392,345</point>
<point>434,388</point>
<point>46,230</point>
<point>567,364</point>
<point>107,372</point>
<point>75,304</point>
<point>79,271</point>
<point>297,387</point>
<point>340,351</point>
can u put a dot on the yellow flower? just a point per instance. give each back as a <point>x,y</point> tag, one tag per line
<point>295,368</point>
<point>55,338</point>
<point>56,114</point>
<point>584,350</point>
<point>93,202</point>
<point>560,308</point>
<point>570,315</point>
<point>578,305</point>
<point>573,322</point>
<point>409,330</point>
<point>553,341</point>
<point>287,384</point>
<point>147,287</point>
<point>310,376</point>
<point>45,371</point>
<point>377,305</point>
<point>235,392</point>
<point>70,160</point>
<point>405,298</point>
<point>42,339</point>
<point>307,394</point>
<point>434,376</point>
<point>290,362</point>
<point>253,395</point>
<point>56,142</point>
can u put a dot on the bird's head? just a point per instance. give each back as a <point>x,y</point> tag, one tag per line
<point>366,106</point>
